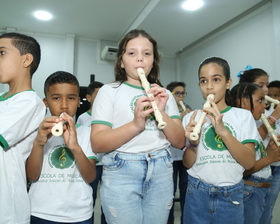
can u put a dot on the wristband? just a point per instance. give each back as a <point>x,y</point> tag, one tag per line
<point>272,118</point>
<point>189,145</point>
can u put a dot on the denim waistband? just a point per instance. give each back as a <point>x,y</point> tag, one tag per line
<point>258,179</point>
<point>139,156</point>
<point>213,188</point>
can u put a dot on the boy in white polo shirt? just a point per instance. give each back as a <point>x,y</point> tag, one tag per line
<point>61,166</point>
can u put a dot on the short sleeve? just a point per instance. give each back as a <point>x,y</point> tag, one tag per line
<point>83,133</point>
<point>102,109</point>
<point>20,115</point>
<point>171,107</point>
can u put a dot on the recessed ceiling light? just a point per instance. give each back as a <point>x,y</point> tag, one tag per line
<point>192,4</point>
<point>42,15</point>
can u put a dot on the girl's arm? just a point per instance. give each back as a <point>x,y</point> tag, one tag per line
<point>35,160</point>
<point>106,139</point>
<point>243,154</point>
<point>86,166</point>
<point>273,155</point>
<point>174,130</point>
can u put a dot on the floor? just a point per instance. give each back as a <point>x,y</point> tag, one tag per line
<point>276,212</point>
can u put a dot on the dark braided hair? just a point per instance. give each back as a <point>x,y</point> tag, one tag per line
<point>243,90</point>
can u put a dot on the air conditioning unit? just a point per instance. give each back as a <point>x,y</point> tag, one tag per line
<point>109,53</point>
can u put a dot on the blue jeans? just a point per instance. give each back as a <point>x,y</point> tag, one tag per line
<point>255,200</point>
<point>137,188</point>
<point>94,186</point>
<point>179,170</point>
<point>36,220</point>
<point>207,203</point>
<point>274,191</point>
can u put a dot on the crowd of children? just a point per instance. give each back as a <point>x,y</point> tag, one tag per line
<point>229,174</point>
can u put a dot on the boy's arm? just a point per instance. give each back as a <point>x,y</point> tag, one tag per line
<point>86,166</point>
<point>35,160</point>
<point>174,131</point>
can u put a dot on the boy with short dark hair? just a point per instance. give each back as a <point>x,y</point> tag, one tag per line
<point>274,91</point>
<point>61,167</point>
<point>21,111</point>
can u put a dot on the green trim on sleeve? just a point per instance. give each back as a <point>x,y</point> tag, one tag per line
<point>175,116</point>
<point>77,125</point>
<point>95,158</point>
<point>4,144</point>
<point>252,141</point>
<point>102,122</point>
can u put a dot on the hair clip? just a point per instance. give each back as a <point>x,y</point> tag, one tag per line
<point>248,67</point>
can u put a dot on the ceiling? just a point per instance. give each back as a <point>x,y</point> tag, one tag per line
<point>108,20</point>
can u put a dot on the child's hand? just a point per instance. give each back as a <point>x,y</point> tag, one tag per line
<point>276,112</point>
<point>215,117</point>
<point>185,112</point>
<point>273,151</point>
<point>44,130</point>
<point>70,134</point>
<point>142,110</point>
<point>160,96</point>
<point>189,128</point>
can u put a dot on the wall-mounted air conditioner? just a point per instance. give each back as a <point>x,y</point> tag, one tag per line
<point>109,53</point>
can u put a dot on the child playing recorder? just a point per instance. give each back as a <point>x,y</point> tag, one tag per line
<point>61,167</point>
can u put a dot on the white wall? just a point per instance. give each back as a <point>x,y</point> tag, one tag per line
<point>250,42</point>
<point>52,59</point>
<point>59,52</point>
<point>86,57</point>
<point>253,40</point>
<point>87,62</point>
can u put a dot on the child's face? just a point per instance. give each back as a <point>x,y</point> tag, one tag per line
<point>91,98</point>
<point>11,62</point>
<point>274,92</point>
<point>258,104</point>
<point>139,53</point>
<point>62,97</point>
<point>213,81</point>
<point>179,94</point>
<point>262,82</point>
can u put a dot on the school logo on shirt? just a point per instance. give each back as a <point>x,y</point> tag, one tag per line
<point>61,158</point>
<point>133,103</point>
<point>213,141</point>
<point>262,149</point>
